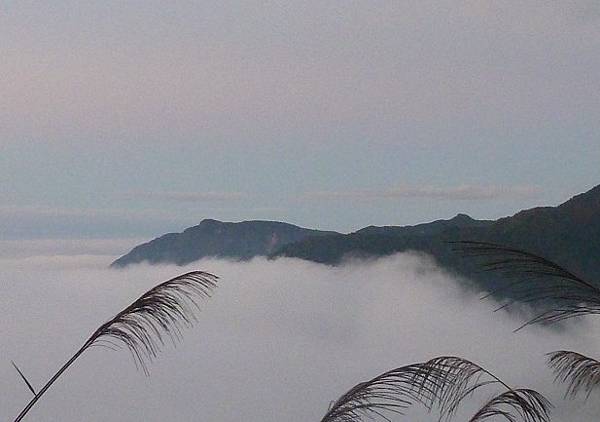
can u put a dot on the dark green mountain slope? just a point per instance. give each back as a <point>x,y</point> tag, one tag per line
<point>427,229</point>
<point>212,238</point>
<point>380,241</point>
<point>568,234</point>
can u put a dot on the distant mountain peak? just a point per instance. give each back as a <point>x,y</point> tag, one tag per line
<point>462,218</point>
<point>569,233</point>
<point>589,198</point>
<point>583,208</point>
<point>210,221</point>
<point>214,238</point>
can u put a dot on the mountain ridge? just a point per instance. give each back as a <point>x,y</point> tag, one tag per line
<point>568,234</point>
<point>222,239</point>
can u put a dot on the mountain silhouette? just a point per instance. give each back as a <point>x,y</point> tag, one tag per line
<point>568,234</point>
<point>213,238</point>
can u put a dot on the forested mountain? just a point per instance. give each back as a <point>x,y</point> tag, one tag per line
<point>569,234</point>
<point>212,238</point>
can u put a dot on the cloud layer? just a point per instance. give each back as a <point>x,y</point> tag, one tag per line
<point>188,196</point>
<point>278,341</point>
<point>36,248</point>
<point>39,222</point>
<point>461,193</point>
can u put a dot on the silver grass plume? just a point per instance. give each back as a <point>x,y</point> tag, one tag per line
<point>536,280</point>
<point>580,372</point>
<point>515,405</point>
<point>387,394</point>
<point>160,313</point>
<point>441,383</point>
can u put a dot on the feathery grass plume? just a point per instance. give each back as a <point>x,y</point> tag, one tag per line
<point>580,372</point>
<point>442,382</point>
<point>567,295</point>
<point>513,405</point>
<point>385,395</point>
<point>461,378</point>
<point>160,313</point>
<point>536,280</point>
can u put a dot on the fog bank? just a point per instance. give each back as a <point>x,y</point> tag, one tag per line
<point>278,341</point>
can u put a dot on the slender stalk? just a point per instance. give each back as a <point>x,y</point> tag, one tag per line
<point>162,311</point>
<point>51,381</point>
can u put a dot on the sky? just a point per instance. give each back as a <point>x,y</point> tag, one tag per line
<point>125,120</point>
<point>279,340</point>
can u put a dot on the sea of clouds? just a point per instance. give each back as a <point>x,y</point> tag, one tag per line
<point>278,341</point>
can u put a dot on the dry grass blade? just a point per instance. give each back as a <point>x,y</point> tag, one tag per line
<point>515,405</point>
<point>25,380</point>
<point>160,313</point>
<point>442,382</point>
<point>582,373</point>
<point>536,280</point>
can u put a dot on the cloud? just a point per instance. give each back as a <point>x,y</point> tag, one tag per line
<point>188,196</point>
<point>278,341</point>
<point>22,248</point>
<point>43,211</point>
<point>38,222</point>
<point>463,192</point>
<point>22,222</point>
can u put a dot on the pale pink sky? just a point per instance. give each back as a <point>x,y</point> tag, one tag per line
<point>268,103</point>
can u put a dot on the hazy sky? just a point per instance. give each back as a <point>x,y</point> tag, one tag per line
<point>130,119</point>
<point>278,341</point>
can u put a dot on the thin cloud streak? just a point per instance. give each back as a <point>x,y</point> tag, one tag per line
<point>25,248</point>
<point>42,211</point>
<point>209,196</point>
<point>461,193</point>
<point>46,222</point>
<point>35,222</point>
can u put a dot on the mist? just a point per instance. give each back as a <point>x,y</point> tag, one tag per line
<point>278,341</point>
